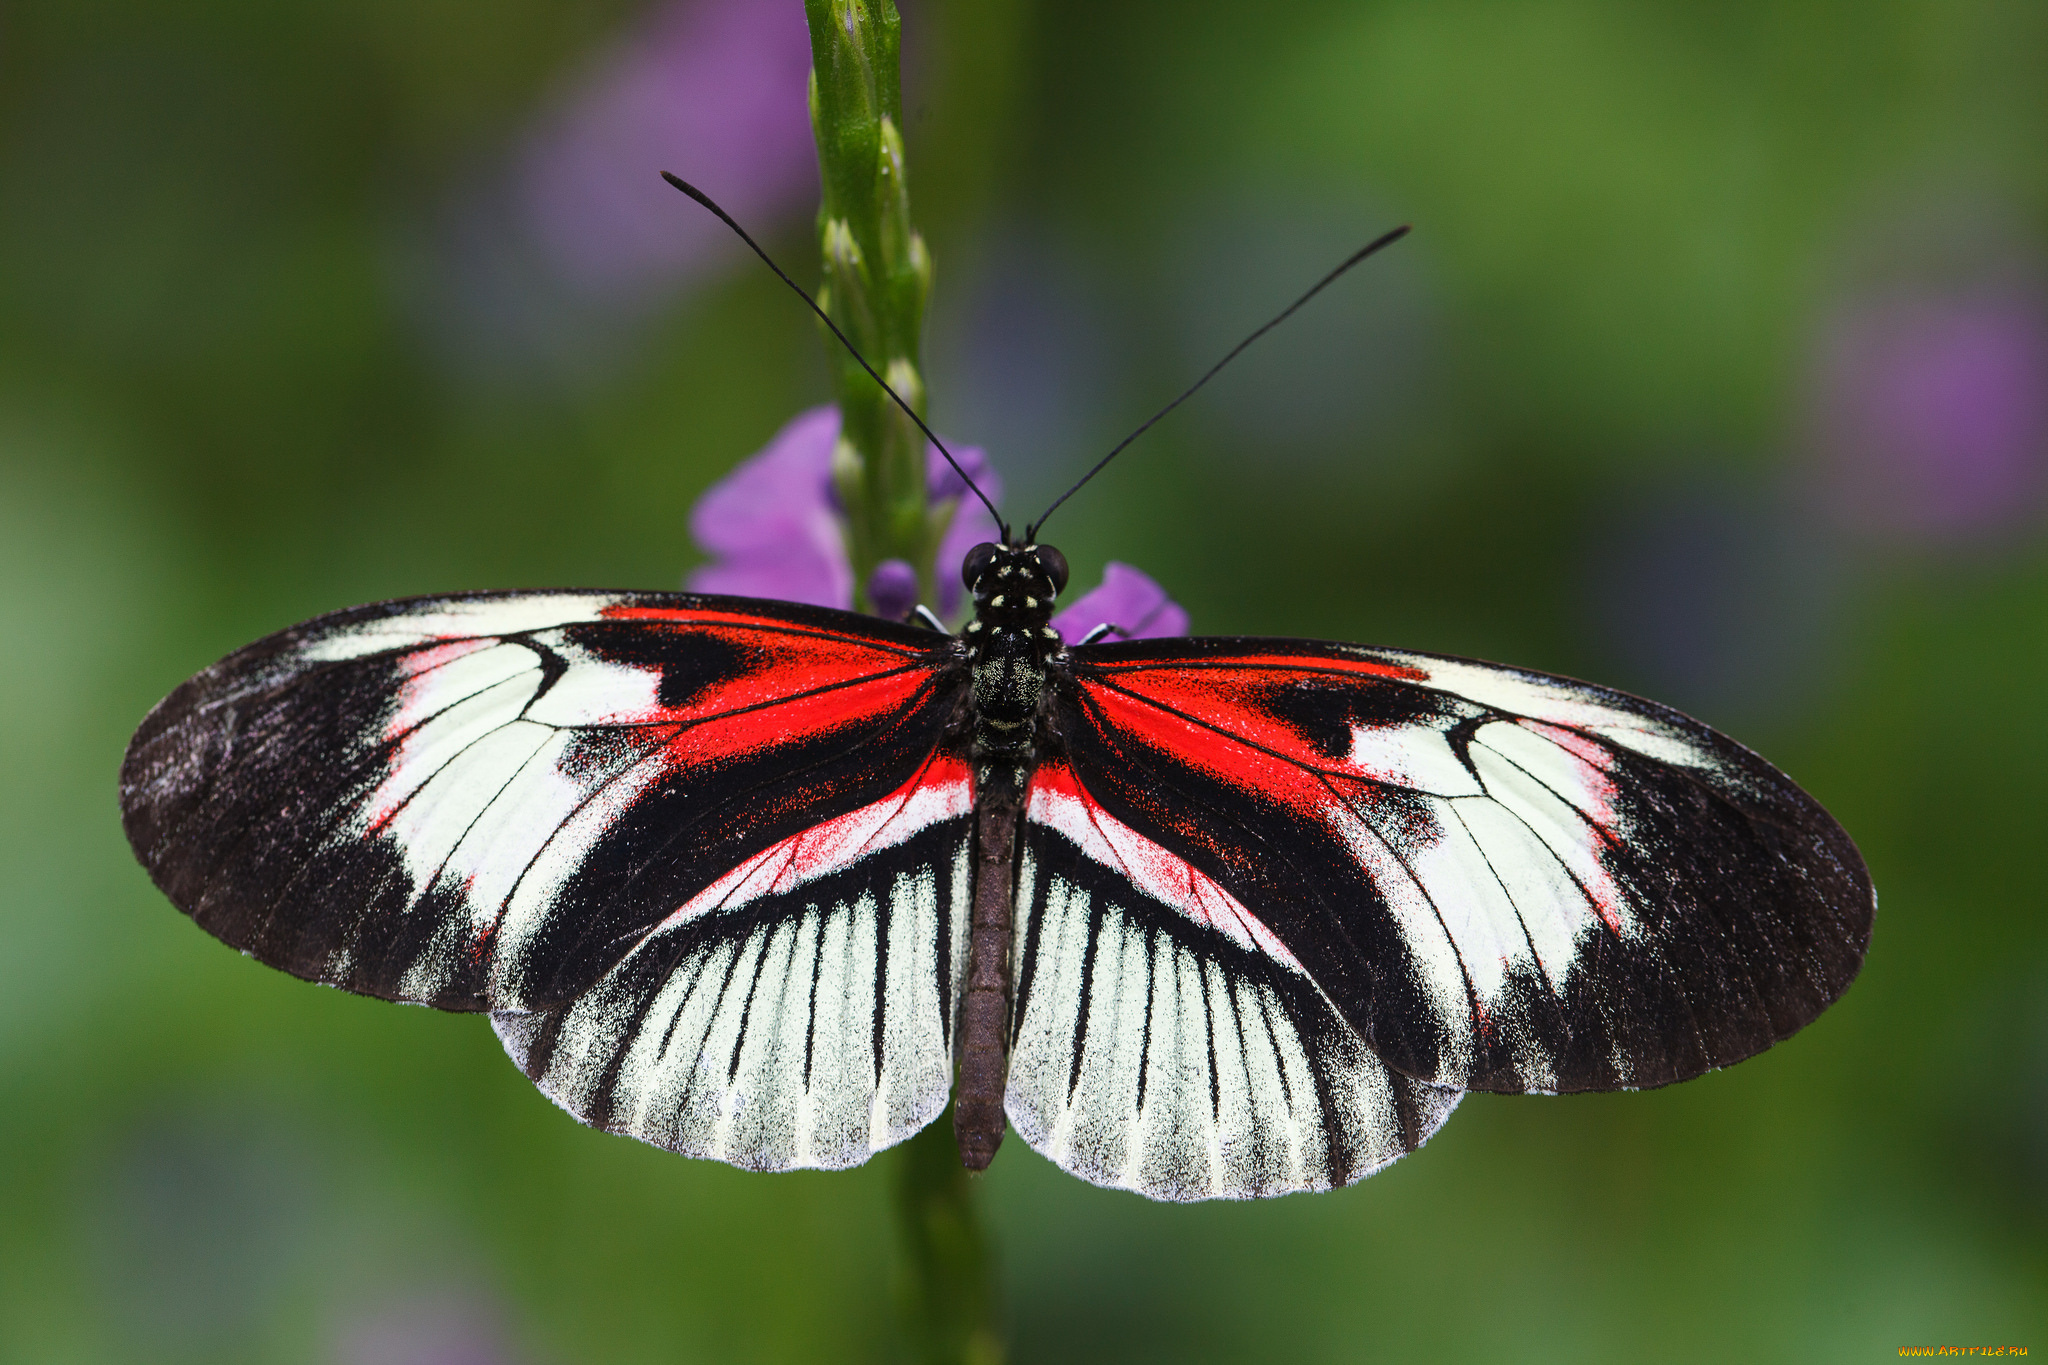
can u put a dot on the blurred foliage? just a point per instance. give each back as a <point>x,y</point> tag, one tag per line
<point>219,414</point>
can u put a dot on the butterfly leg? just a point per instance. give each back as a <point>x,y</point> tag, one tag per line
<point>985,1008</point>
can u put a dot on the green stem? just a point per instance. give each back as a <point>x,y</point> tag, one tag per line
<point>878,276</point>
<point>948,1292</point>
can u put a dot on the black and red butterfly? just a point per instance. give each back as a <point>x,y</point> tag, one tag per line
<point>1202,917</point>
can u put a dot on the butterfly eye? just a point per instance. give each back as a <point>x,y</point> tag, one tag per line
<point>977,562</point>
<point>1055,565</point>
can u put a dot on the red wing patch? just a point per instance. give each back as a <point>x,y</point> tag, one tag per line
<point>1058,802</point>
<point>942,791</point>
<point>483,801</point>
<point>1505,880</point>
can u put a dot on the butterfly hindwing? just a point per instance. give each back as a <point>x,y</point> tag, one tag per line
<point>1164,1040</point>
<point>799,1011</point>
<point>1502,880</point>
<point>485,801</point>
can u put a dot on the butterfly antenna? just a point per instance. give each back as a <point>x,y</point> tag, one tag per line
<point>687,188</point>
<point>1386,239</point>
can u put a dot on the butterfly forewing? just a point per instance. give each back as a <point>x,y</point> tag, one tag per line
<point>1502,880</point>
<point>486,801</point>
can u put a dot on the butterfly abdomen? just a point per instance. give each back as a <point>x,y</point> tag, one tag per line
<point>984,1064</point>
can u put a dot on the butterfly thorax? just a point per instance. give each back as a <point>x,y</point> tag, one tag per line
<point>1009,641</point>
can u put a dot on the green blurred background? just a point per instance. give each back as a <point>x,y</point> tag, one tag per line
<point>1717,369</point>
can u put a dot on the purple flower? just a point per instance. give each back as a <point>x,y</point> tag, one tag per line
<point>711,89</point>
<point>971,523</point>
<point>769,525</point>
<point>773,524</point>
<point>542,262</point>
<point>1931,416</point>
<point>772,527</point>
<point>1127,599</point>
<point>943,481</point>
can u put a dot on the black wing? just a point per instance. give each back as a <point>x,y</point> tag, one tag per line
<point>797,1012</point>
<point>703,857</point>
<point>1165,1041</point>
<point>1500,880</point>
<point>484,801</point>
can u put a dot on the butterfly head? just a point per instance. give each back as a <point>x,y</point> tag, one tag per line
<point>1014,584</point>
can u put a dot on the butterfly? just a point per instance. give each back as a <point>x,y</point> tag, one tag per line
<point>770,883</point>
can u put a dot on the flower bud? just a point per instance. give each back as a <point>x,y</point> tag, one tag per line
<point>892,589</point>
